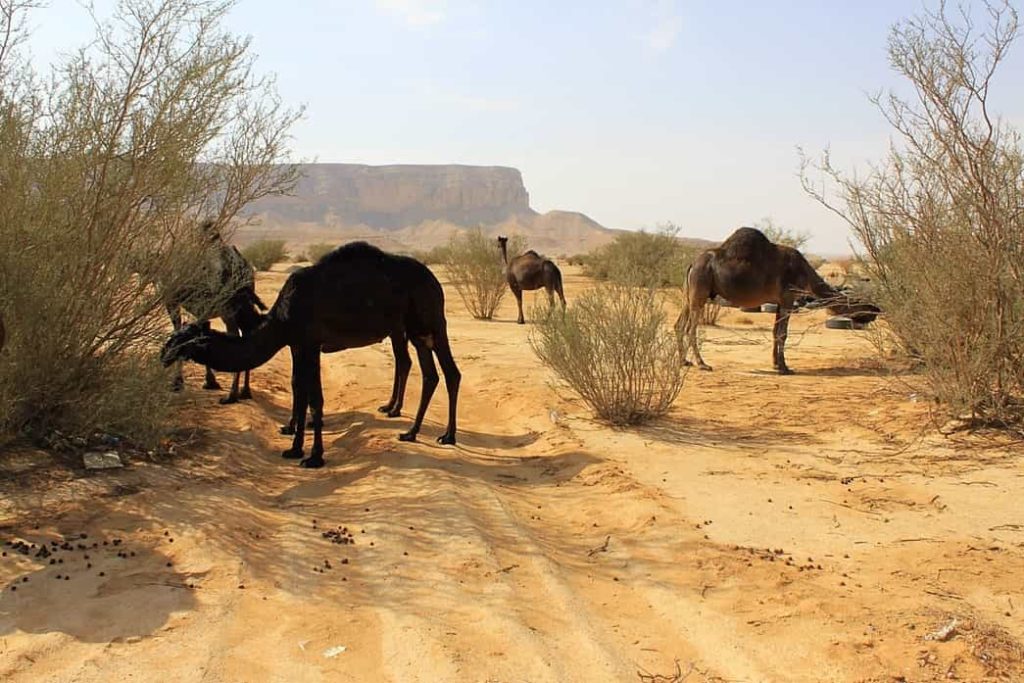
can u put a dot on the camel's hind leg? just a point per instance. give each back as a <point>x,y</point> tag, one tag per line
<point>403,363</point>
<point>686,328</point>
<point>430,380</point>
<point>452,379</point>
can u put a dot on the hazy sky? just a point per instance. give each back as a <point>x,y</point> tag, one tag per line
<point>635,112</point>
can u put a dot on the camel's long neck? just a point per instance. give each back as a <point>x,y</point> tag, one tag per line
<point>504,253</point>
<point>814,282</point>
<point>226,353</point>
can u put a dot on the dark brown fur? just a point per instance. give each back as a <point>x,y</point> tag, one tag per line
<point>355,296</point>
<point>530,271</point>
<point>749,270</point>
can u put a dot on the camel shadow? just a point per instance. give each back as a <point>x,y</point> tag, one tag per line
<point>353,423</point>
<point>841,371</point>
<point>530,470</point>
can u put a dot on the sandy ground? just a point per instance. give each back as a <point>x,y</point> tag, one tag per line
<point>804,528</point>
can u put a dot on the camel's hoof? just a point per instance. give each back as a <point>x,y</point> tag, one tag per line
<point>407,436</point>
<point>687,364</point>
<point>705,367</point>
<point>228,400</point>
<point>520,322</point>
<point>312,462</point>
<point>384,409</point>
<point>785,371</point>
<point>288,430</point>
<point>292,454</point>
<point>246,395</point>
<point>446,439</point>
<point>397,412</point>
<point>212,386</point>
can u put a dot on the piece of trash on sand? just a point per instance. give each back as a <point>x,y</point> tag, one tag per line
<point>97,460</point>
<point>303,644</point>
<point>944,633</point>
<point>334,651</point>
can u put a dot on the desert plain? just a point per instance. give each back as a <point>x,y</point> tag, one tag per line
<point>817,527</point>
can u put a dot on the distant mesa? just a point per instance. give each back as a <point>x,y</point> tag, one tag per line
<point>409,207</point>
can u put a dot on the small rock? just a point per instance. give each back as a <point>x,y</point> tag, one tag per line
<point>98,460</point>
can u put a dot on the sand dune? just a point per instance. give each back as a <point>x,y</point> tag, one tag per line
<point>806,528</point>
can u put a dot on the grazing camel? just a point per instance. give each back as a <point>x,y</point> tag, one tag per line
<point>224,287</point>
<point>354,296</point>
<point>749,270</point>
<point>531,271</point>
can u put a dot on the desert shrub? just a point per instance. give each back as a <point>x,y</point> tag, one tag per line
<point>646,259</point>
<point>105,174</point>
<point>939,218</point>
<point>612,348</point>
<point>477,272</point>
<point>434,256</point>
<point>576,260</point>
<point>315,252</point>
<point>263,254</point>
<point>780,235</point>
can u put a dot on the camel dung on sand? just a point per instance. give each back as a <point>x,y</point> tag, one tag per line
<point>354,296</point>
<point>749,270</point>
<point>530,271</point>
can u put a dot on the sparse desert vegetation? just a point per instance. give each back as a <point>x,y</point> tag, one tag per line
<point>613,348</point>
<point>604,513</point>
<point>477,274</point>
<point>263,254</point>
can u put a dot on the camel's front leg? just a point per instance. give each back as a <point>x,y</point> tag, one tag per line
<point>519,302</point>
<point>779,334</point>
<point>178,383</point>
<point>233,394</point>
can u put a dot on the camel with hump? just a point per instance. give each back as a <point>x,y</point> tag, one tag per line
<point>530,271</point>
<point>354,296</point>
<point>748,269</point>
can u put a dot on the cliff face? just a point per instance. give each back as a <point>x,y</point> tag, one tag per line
<point>392,197</point>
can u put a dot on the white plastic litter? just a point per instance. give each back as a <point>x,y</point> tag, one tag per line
<point>332,652</point>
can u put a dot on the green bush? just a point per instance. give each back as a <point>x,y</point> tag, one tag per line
<point>265,253</point>
<point>315,252</point>
<point>646,259</point>
<point>940,221</point>
<point>477,271</point>
<point>612,348</point>
<point>108,164</point>
<point>435,256</point>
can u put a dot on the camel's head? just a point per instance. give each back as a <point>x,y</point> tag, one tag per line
<point>502,240</point>
<point>210,230</point>
<point>185,343</point>
<point>856,309</point>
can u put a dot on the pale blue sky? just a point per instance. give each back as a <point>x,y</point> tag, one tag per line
<point>635,112</point>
